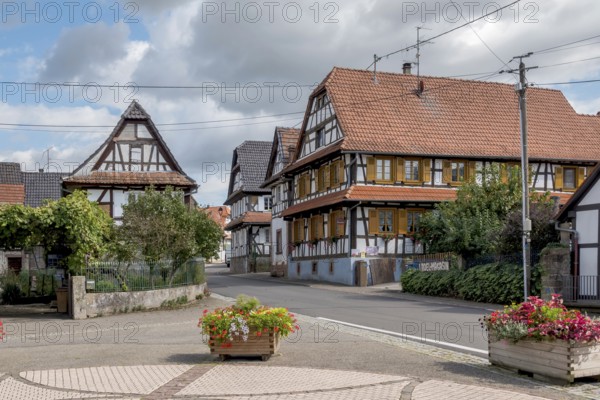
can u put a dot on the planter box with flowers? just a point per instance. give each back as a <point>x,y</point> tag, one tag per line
<point>246,328</point>
<point>545,339</point>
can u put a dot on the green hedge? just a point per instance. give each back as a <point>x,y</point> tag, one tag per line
<point>490,283</point>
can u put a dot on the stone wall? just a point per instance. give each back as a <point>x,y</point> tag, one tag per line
<point>87,305</point>
<point>556,263</point>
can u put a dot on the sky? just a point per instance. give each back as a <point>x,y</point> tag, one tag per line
<point>213,74</point>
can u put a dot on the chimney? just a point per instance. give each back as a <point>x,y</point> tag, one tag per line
<point>40,170</point>
<point>598,114</point>
<point>406,68</point>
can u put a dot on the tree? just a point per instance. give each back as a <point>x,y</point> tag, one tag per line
<point>72,223</point>
<point>158,226</point>
<point>480,219</point>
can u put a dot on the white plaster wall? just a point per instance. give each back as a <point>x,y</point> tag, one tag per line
<point>592,196</point>
<point>587,226</point>
<point>279,223</point>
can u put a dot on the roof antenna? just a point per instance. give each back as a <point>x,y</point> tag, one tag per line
<point>375,60</point>
<point>418,62</point>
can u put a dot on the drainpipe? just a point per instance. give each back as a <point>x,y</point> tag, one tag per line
<point>350,231</point>
<point>575,246</point>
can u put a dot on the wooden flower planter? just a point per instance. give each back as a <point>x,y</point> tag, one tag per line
<point>265,346</point>
<point>556,360</point>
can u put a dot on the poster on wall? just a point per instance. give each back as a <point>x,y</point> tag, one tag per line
<point>355,253</point>
<point>372,250</point>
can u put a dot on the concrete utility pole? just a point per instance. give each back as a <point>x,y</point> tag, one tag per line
<point>521,88</point>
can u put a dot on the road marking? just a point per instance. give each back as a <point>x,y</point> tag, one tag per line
<point>410,337</point>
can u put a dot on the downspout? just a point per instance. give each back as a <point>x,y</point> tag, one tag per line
<point>575,246</point>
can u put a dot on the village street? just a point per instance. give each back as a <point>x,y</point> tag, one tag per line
<point>37,341</point>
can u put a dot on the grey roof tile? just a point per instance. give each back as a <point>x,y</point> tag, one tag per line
<point>253,159</point>
<point>41,186</point>
<point>10,174</point>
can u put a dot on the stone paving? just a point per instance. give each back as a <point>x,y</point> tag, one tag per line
<point>238,382</point>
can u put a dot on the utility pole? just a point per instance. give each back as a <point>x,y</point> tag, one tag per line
<point>521,88</point>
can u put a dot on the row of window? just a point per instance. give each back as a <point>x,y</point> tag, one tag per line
<point>313,228</point>
<point>327,177</point>
<point>387,169</point>
<point>382,221</point>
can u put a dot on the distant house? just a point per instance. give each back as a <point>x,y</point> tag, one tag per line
<point>377,151</point>
<point>132,158</point>
<point>222,216</point>
<point>282,153</point>
<point>32,189</point>
<point>251,205</point>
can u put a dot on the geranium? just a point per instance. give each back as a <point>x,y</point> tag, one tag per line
<point>542,320</point>
<point>244,318</point>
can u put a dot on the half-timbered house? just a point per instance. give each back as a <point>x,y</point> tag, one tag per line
<point>133,157</point>
<point>250,208</point>
<point>377,151</point>
<point>282,152</point>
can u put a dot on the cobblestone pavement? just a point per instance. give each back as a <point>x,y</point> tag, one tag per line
<point>232,382</point>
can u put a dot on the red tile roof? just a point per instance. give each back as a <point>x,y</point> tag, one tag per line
<point>219,218</point>
<point>457,118</point>
<point>385,193</point>
<point>131,178</point>
<point>12,194</point>
<point>250,218</point>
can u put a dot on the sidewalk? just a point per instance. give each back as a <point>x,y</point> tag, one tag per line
<point>358,364</point>
<point>233,382</point>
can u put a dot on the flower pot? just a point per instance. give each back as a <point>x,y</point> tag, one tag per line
<point>265,345</point>
<point>554,360</point>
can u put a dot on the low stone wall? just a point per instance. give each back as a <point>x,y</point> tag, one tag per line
<point>556,263</point>
<point>87,305</point>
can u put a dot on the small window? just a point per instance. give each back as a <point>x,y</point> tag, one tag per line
<point>315,269</point>
<point>413,217</point>
<point>458,171</point>
<point>331,269</point>
<point>385,219</point>
<point>412,170</point>
<point>278,241</point>
<point>320,138</point>
<point>569,178</point>
<point>323,178</point>
<point>337,224</point>
<point>383,169</point>
<point>268,202</point>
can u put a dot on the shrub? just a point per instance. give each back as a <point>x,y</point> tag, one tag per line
<point>11,293</point>
<point>490,283</point>
<point>105,286</point>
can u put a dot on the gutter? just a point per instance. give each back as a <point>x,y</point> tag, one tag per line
<point>575,246</point>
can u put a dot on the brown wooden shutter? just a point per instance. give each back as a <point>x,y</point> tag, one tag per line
<point>321,227</point>
<point>373,222</point>
<point>426,170</point>
<point>402,221</point>
<point>327,177</point>
<point>341,171</point>
<point>471,165</point>
<point>580,175</point>
<point>330,218</point>
<point>447,171</point>
<point>370,169</point>
<point>399,169</point>
<point>311,231</point>
<point>295,231</point>
<point>558,178</point>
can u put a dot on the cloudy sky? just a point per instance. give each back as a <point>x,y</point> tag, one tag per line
<point>238,69</point>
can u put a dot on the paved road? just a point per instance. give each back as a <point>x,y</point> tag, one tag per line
<point>439,322</point>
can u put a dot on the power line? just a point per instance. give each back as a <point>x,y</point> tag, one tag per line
<point>442,34</point>
<point>569,62</point>
<point>565,83</point>
<point>568,48</point>
<point>566,44</point>
<point>171,124</point>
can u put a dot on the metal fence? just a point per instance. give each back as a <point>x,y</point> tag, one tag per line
<point>34,282</point>
<point>582,287</point>
<point>139,276</point>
